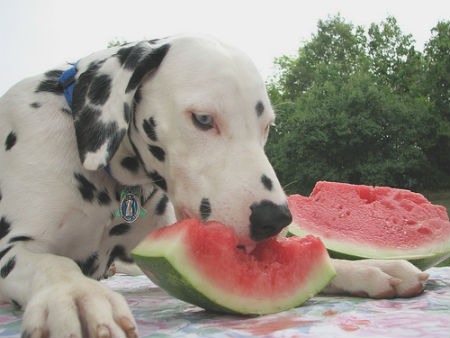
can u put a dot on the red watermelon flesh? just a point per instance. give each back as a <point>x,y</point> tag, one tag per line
<point>202,264</point>
<point>267,270</point>
<point>372,222</point>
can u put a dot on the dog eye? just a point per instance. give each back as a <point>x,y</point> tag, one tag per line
<point>203,121</point>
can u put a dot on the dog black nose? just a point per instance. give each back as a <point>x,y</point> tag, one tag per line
<point>268,219</point>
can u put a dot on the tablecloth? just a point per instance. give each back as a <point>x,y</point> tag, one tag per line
<point>159,315</point>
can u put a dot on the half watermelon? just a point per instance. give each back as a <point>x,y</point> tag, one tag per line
<point>203,265</point>
<point>359,221</point>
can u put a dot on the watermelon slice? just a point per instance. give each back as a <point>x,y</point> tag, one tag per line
<point>358,221</point>
<point>202,264</point>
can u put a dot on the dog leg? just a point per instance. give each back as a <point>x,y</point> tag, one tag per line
<point>59,301</point>
<point>376,279</point>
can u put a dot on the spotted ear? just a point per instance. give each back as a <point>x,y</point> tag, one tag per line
<point>103,98</point>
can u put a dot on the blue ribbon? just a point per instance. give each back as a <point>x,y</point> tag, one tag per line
<point>67,81</point>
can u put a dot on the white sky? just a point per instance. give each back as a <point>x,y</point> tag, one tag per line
<point>36,35</point>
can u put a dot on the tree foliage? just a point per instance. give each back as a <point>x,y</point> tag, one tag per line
<point>437,84</point>
<point>363,107</point>
<point>116,42</point>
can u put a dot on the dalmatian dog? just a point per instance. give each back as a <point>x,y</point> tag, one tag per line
<point>96,155</point>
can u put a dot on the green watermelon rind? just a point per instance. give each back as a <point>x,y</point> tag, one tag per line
<point>174,283</point>
<point>421,263</point>
<point>166,263</point>
<point>425,257</point>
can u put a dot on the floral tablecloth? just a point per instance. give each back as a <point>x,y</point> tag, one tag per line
<point>159,315</point>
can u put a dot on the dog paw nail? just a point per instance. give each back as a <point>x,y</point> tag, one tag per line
<point>128,327</point>
<point>103,332</point>
<point>423,277</point>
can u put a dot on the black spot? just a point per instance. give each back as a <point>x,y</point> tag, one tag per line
<point>259,108</point>
<point>10,141</point>
<point>92,133</point>
<point>130,57</point>
<point>86,118</point>
<point>119,252</point>
<point>158,152</point>
<point>54,74</point>
<point>100,89</point>
<point>267,182</point>
<point>86,188</point>
<point>149,128</point>
<point>20,239</point>
<point>162,205</point>
<point>5,251</point>
<point>16,303</point>
<point>114,142</point>
<point>158,180</point>
<point>119,229</point>
<point>147,65</point>
<point>103,198</point>
<point>82,84</point>
<point>5,227</point>
<point>126,112</point>
<point>8,267</point>
<point>90,265</point>
<point>205,209</point>
<point>130,163</point>
<point>123,54</point>
<point>66,111</point>
<point>36,105</point>
<point>51,83</point>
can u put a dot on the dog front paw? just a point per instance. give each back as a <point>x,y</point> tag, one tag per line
<point>377,279</point>
<point>406,279</point>
<point>84,308</point>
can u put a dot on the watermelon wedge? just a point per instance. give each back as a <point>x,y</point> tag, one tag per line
<point>358,221</point>
<point>202,264</point>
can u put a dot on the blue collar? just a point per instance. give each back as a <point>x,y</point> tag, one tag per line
<point>67,82</point>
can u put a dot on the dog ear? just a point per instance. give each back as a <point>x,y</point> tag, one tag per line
<point>103,99</point>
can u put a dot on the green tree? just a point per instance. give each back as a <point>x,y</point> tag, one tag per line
<point>336,50</point>
<point>437,54</point>
<point>437,84</point>
<point>348,112</point>
<point>116,42</point>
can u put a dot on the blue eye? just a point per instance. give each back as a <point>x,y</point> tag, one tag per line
<point>203,121</point>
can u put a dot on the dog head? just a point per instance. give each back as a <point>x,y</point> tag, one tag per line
<point>196,117</point>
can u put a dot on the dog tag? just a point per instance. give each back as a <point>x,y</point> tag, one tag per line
<point>130,205</point>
